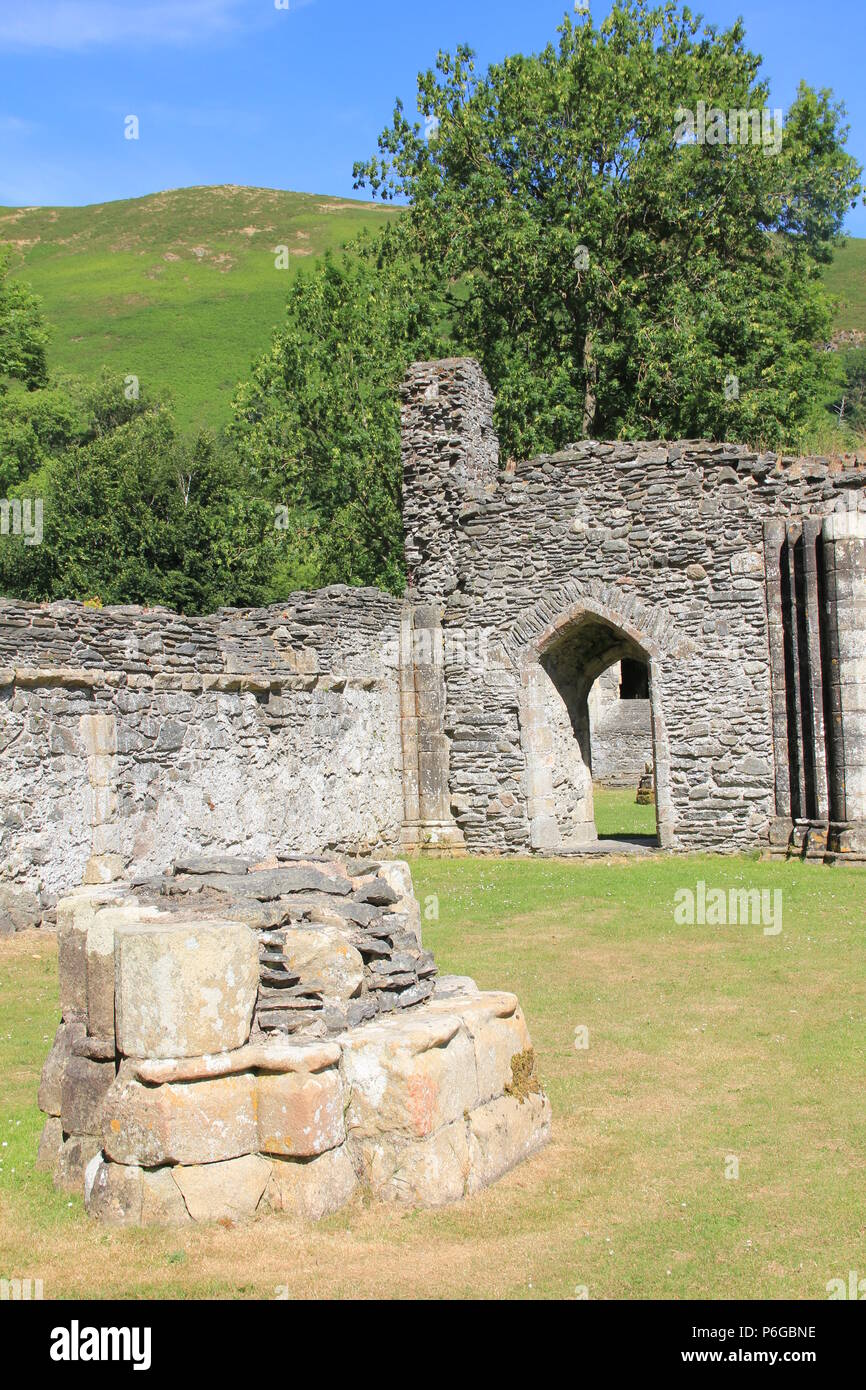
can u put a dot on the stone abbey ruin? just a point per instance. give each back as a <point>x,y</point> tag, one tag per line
<point>283,759</point>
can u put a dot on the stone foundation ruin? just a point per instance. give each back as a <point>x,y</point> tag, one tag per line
<point>239,1039</point>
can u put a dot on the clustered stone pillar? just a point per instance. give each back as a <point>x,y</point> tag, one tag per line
<point>844,535</point>
<point>816,613</point>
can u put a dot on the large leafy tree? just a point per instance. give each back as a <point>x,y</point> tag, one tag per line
<point>614,277</point>
<point>23,335</point>
<point>317,427</point>
<point>133,513</point>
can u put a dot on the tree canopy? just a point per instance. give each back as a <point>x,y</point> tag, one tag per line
<point>615,277</point>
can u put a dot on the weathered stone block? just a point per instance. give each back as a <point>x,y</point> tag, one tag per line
<point>161,1201</point>
<point>99,955</point>
<point>194,1122</point>
<point>300,1114</point>
<point>324,961</point>
<point>67,1035</point>
<point>224,1191</point>
<point>77,1150</point>
<point>503,1133</point>
<point>112,1192</point>
<point>185,989</point>
<point>74,915</point>
<point>50,1144</point>
<point>495,1023</point>
<point>310,1188</point>
<point>83,1088</point>
<point>409,1075</point>
<point>425,1172</point>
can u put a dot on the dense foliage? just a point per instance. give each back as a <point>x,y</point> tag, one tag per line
<point>621,275</point>
<point>318,425</point>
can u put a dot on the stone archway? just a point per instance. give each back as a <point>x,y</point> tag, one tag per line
<point>559,666</point>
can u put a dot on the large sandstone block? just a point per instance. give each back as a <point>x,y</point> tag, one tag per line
<point>425,1172</point>
<point>224,1191</point>
<point>503,1133</point>
<point>324,961</point>
<point>162,1203</point>
<point>191,1122</point>
<point>310,1188</point>
<point>74,915</point>
<point>50,1086</point>
<point>76,1152</point>
<point>99,957</point>
<point>495,1023</point>
<point>184,989</point>
<point>409,1075</point>
<point>83,1089</point>
<point>300,1114</point>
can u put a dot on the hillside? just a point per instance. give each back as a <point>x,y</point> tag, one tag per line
<point>179,287</point>
<point>846,277</point>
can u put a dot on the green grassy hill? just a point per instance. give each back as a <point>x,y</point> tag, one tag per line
<point>180,287</point>
<point>846,278</point>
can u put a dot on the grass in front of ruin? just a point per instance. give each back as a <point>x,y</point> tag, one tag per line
<point>705,1044</point>
<point>617,813</point>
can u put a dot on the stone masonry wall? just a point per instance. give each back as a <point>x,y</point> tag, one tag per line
<point>137,735</point>
<point>658,544</point>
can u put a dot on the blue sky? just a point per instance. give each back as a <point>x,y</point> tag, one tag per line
<point>239,91</point>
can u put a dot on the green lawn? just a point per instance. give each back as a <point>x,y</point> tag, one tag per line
<point>706,1044</point>
<point>617,813</point>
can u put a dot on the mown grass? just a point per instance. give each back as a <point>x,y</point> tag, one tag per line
<point>179,288</point>
<point>705,1043</point>
<point>617,813</point>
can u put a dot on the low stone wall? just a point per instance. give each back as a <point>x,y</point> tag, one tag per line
<point>132,737</point>
<point>238,1039</point>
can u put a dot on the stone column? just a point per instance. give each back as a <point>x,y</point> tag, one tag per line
<point>99,736</point>
<point>427,820</point>
<point>844,535</point>
<point>783,824</point>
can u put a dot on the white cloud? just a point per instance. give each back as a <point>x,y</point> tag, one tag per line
<point>80,24</point>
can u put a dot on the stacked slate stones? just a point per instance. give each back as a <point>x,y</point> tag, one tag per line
<point>244,1038</point>
<point>339,942</point>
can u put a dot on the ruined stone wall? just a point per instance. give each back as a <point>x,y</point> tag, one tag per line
<point>620,733</point>
<point>137,735</point>
<point>661,547</point>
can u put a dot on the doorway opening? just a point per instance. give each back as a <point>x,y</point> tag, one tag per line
<point>588,738</point>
